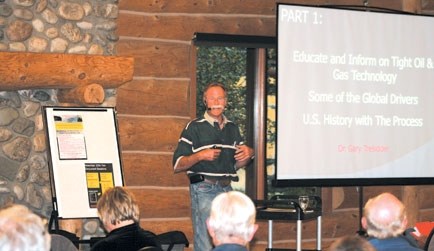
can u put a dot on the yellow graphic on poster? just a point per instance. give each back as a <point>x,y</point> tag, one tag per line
<point>71,142</point>
<point>99,178</point>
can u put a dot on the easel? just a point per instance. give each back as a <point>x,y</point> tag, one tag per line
<point>54,220</point>
<point>93,145</point>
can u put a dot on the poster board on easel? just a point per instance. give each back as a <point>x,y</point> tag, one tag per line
<point>84,157</point>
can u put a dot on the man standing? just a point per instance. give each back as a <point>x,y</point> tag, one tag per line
<point>210,150</point>
<point>385,220</point>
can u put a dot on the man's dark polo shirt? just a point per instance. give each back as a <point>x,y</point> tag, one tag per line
<point>200,134</point>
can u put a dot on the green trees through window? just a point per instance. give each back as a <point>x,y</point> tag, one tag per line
<point>226,65</point>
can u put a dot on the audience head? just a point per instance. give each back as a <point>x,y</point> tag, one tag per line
<point>232,219</point>
<point>117,206</point>
<point>384,216</point>
<point>351,243</point>
<point>21,229</point>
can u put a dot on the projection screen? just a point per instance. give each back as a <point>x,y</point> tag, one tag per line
<point>355,97</point>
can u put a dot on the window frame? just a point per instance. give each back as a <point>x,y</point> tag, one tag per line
<point>256,46</point>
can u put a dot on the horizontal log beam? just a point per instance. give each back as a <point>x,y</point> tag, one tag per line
<point>22,70</point>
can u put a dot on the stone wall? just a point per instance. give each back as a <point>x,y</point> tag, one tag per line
<point>58,26</point>
<point>24,176</point>
<point>44,26</point>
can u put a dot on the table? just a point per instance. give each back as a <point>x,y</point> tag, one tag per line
<point>288,210</point>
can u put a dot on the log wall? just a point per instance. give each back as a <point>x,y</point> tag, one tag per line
<point>154,107</point>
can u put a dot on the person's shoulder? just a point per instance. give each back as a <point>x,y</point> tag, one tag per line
<point>150,237</point>
<point>230,122</point>
<point>196,122</point>
<point>102,245</point>
<point>396,243</point>
<point>108,242</point>
<point>147,233</point>
<point>230,247</point>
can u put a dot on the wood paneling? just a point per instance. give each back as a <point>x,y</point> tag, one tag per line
<point>169,60</point>
<point>150,133</point>
<point>283,229</point>
<point>263,7</point>
<point>154,97</point>
<point>163,203</point>
<point>255,7</point>
<point>427,7</point>
<point>144,169</point>
<point>179,27</point>
<point>426,215</point>
<point>340,223</point>
<point>426,198</point>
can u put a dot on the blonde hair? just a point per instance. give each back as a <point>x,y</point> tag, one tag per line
<point>116,205</point>
<point>21,229</point>
<point>232,215</point>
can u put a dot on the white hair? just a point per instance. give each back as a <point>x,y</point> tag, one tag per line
<point>22,230</point>
<point>232,215</point>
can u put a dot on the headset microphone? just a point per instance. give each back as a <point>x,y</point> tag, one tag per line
<point>206,105</point>
<point>210,108</point>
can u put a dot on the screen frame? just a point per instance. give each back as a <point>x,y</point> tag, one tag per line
<point>331,182</point>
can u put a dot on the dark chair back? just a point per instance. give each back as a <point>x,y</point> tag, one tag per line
<point>150,248</point>
<point>61,243</point>
<point>429,244</point>
<point>173,241</point>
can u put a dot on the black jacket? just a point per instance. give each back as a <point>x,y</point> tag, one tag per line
<point>128,238</point>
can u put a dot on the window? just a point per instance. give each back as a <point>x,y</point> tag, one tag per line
<point>225,65</point>
<point>247,66</point>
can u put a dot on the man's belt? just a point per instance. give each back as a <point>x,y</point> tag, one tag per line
<point>221,181</point>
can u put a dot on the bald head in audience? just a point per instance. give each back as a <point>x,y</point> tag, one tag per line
<point>384,216</point>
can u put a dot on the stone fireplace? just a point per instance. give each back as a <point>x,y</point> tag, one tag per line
<point>53,53</point>
<point>30,81</point>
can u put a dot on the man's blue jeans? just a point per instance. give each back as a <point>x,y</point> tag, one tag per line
<point>202,194</point>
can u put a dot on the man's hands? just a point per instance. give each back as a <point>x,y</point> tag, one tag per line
<point>186,162</point>
<point>243,155</point>
<point>210,154</point>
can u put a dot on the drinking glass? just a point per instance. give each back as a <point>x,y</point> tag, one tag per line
<point>303,201</point>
